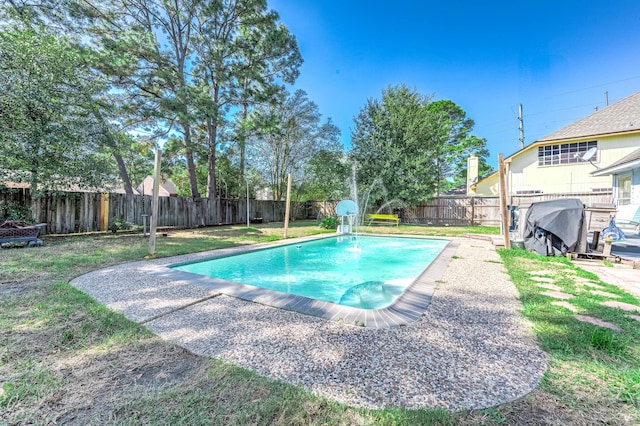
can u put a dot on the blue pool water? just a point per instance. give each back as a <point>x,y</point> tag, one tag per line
<point>365,272</point>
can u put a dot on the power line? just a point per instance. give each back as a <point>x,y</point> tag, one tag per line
<point>594,87</point>
<point>561,109</point>
<point>538,126</point>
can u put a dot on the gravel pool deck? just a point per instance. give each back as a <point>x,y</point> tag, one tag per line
<point>470,349</point>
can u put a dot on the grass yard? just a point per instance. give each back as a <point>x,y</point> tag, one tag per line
<point>66,359</point>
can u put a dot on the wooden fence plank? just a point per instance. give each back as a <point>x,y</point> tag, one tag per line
<point>80,212</point>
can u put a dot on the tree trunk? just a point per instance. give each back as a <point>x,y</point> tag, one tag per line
<point>111,142</point>
<point>212,130</point>
<point>126,181</point>
<point>191,166</point>
<point>242,138</point>
<point>191,171</point>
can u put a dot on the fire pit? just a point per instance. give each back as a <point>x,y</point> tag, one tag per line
<point>12,231</point>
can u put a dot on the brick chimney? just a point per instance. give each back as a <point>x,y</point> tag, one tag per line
<point>472,173</point>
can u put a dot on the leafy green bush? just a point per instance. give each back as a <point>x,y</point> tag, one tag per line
<point>120,225</point>
<point>329,222</point>
<point>14,211</point>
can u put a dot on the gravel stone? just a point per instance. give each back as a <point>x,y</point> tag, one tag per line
<point>471,349</point>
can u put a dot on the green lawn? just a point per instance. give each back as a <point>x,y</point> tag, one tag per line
<point>64,358</point>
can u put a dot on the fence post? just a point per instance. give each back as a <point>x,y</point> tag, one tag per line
<point>503,201</point>
<point>104,212</point>
<point>473,213</point>
<point>154,210</point>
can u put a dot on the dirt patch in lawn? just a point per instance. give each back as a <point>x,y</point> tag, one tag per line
<point>97,384</point>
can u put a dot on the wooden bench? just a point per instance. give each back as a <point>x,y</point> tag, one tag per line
<point>382,219</point>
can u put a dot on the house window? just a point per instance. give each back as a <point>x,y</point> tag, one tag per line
<point>624,190</point>
<point>565,153</point>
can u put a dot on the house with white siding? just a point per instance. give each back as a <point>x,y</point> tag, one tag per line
<point>597,154</point>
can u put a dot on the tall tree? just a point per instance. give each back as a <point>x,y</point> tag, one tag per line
<point>452,141</point>
<point>241,49</point>
<point>295,133</point>
<point>51,13</point>
<point>49,134</point>
<point>326,176</point>
<point>410,144</point>
<point>392,143</point>
<point>216,45</point>
<point>56,17</point>
<point>268,54</point>
<point>145,48</point>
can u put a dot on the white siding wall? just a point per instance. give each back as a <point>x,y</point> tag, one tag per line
<point>524,173</point>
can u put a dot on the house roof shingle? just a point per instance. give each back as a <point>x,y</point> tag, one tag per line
<point>622,116</point>
<point>166,188</point>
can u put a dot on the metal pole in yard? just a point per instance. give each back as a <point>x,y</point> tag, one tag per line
<point>246,180</point>
<point>287,208</point>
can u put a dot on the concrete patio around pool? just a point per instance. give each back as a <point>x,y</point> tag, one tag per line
<point>469,349</point>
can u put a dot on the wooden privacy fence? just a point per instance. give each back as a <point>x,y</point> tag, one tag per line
<point>463,210</point>
<point>456,211</point>
<point>189,213</point>
<point>467,211</point>
<point>438,211</point>
<point>587,198</point>
<point>63,213</point>
<point>72,212</point>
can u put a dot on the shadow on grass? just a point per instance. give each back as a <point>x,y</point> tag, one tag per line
<point>594,365</point>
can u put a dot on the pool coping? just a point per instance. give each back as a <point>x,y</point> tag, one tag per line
<point>406,309</point>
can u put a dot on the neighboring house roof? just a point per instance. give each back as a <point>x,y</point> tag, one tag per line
<point>166,188</point>
<point>170,187</point>
<point>620,117</point>
<point>626,163</point>
<point>120,190</point>
<point>458,190</point>
<point>484,178</point>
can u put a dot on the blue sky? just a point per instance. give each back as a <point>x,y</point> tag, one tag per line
<point>556,58</point>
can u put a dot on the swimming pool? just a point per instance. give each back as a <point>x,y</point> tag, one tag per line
<point>366,272</point>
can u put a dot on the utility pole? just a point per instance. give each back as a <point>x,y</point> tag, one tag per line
<point>521,126</point>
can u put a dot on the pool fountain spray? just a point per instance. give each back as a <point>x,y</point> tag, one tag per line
<point>363,202</point>
<point>348,209</point>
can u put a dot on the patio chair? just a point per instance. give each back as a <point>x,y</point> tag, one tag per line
<point>628,215</point>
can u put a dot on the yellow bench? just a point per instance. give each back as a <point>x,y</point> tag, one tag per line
<point>382,219</point>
